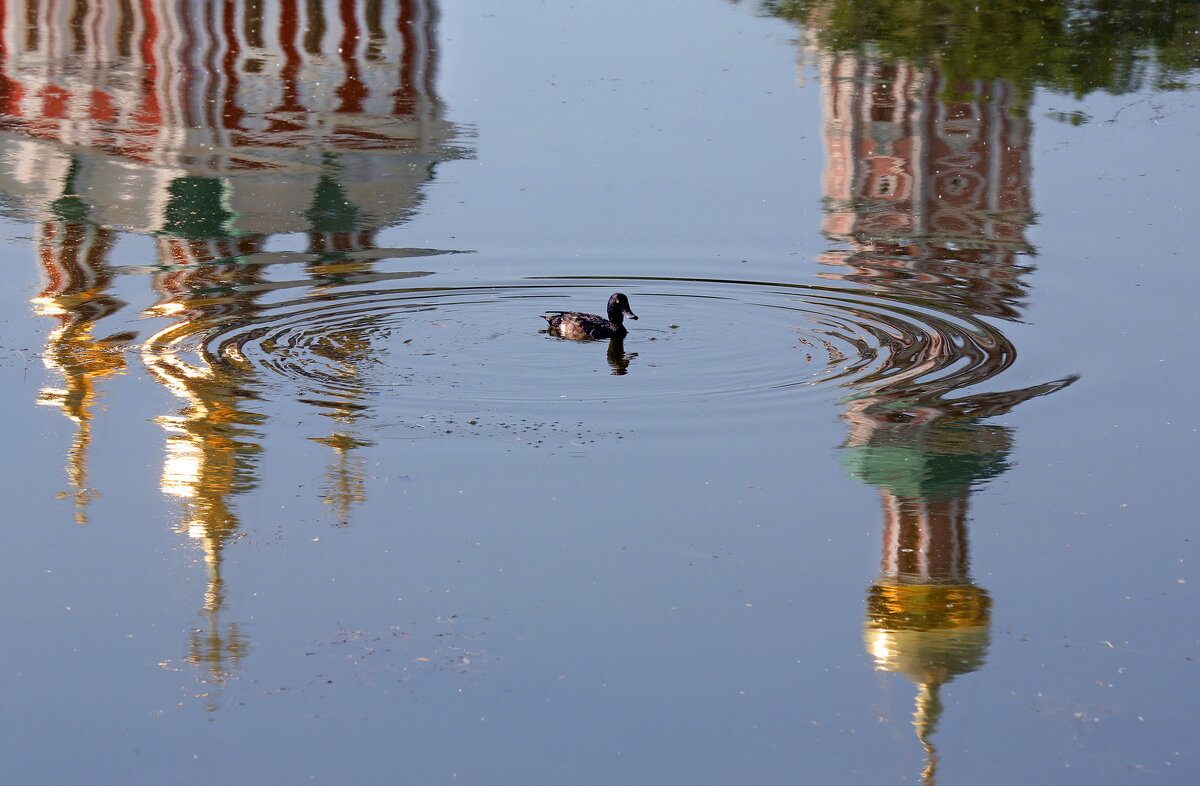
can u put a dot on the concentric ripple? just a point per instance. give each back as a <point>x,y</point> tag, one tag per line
<point>696,339</point>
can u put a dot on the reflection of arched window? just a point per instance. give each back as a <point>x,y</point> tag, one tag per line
<point>885,186</point>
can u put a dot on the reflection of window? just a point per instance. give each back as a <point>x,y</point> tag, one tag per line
<point>885,185</point>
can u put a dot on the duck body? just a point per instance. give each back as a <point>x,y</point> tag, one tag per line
<point>581,326</point>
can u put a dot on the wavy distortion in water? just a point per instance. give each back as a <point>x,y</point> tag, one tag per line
<point>480,346</point>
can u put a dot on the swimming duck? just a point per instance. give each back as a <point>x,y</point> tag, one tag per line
<point>577,325</point>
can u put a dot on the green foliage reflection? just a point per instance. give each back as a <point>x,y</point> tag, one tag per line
<point>1070,46</point>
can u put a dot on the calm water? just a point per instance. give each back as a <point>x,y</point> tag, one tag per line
<point>890,481</point>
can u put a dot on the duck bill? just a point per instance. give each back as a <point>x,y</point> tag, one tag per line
<point>629,314</point>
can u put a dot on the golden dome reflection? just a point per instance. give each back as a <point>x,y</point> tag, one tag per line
<point>930,633</point>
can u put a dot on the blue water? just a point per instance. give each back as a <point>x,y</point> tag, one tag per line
<point>299,489</point>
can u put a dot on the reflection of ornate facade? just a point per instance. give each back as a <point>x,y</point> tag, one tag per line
<point>286,114</point>
<point>211,127</point>
<point>931,195</point>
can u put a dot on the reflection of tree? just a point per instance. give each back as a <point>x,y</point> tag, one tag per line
<point>1074,46</point>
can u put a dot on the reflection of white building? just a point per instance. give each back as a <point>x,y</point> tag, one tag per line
<point>298,116</point>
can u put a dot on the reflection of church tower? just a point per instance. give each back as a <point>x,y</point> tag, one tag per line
<point>212,445</point>
<point>73,255</point>
<point>927,190</point>
<point>926,619</point>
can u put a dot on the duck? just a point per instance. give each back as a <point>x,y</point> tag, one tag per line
<point>580,326</point>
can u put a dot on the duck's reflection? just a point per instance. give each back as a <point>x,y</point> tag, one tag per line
<point>211,128</point>
<point>618,358</point>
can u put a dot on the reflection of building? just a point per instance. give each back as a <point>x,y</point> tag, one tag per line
<point>929,198</point>
<point>212,127</point>
<point>198,118</point>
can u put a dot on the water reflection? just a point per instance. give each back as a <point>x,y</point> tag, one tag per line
<point>212,128</point>
<point>1068,46</point>
<point>618,358</point>
<point>76,296</point>
<point>928,198</point>
<point>928,195</point>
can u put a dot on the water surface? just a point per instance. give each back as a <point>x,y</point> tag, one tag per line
<point>886,484</point>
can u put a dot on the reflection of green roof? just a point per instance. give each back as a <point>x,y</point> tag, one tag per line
<point>196,208</point>
<point>909,470</point>
<point>331,211</point>
<point>70,206</point>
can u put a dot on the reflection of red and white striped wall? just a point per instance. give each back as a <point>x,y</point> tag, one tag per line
<point>925,540</point>
<point>167,81</point>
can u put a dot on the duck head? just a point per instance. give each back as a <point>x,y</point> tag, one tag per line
<point>618,308</point>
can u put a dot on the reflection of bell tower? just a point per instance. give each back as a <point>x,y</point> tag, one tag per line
<point>927,193</point>
<point>73,256</point>
<point>925,618</point>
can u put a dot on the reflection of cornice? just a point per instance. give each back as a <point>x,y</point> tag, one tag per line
<point>931,241</point>
<point>134,197</point>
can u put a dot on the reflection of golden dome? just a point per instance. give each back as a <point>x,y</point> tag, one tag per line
<point>928,632</point>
